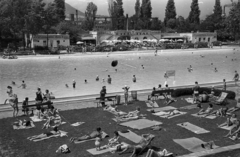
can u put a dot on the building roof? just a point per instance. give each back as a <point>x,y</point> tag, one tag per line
<point>177,37</point>
<point>87,38</point>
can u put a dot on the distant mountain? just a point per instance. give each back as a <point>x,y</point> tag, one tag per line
<point>68,8</point>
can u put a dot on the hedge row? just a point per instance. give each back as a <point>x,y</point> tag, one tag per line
<point>189,91</point>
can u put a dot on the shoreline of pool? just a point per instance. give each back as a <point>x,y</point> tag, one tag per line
<point>77,54</point>
<point>92,97</point>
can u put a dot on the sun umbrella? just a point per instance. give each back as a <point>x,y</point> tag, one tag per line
<point>79,42</point>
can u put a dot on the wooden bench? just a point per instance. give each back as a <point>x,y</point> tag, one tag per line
<point>106,99</point>
<point>40,105</point>
<point>158,93</point>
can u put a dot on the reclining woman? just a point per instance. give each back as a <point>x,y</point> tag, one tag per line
<point>235,134</point>
<point>55,131</point>
<point>93,135</point>
<point>114,110</point>
<point>222,112</point>
<point>130,115</point>
<point>207,111</point>
<point>230,121</point>
<point>137,149</point>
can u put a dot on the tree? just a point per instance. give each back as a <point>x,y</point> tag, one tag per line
<point>60,9</point>
<point>73,30</point>
<point>194,15</point>
<point>119,14</point>
<point>146,9</point>
<point>156,24</point>
<point>90,15</point>
<point>181,24</point>
<point>146,13</point>
<point>170,11</point>
<point>171,23</point>
<point>233,21</point>
<point>137,9</point>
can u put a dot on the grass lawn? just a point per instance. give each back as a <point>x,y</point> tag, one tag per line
<point>14,143</point>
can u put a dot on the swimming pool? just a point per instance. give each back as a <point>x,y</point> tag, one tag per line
<point>53,73</point>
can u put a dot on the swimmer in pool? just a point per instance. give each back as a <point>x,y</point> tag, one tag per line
<point>66,85</point>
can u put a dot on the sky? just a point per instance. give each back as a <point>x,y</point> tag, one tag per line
<point>158,6</point>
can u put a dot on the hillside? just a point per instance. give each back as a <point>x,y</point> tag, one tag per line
<point>68,8</point>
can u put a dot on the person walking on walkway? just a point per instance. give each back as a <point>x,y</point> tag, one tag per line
<point>103,92</point>
<point>74,84</point>
<point>125,89</point>
<point>236,77</point>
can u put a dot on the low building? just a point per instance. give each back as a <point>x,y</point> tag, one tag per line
<point>141,35</point>
<point>50,40</point>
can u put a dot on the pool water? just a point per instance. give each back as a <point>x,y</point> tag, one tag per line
<point>53,73</point>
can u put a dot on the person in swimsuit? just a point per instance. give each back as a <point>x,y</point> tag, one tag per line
<point>94,134</point>
<point>23,85</point>
<point>24,106</point>
<point>208,110</point>
<point>55,131</point>
<point>39,97</point>
<point>125,89</point>
<point>236,77</point>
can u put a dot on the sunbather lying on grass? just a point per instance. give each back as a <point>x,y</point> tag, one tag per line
<point>93,135</point>
<point>235,108</point>
<point>222,112</point>
<point>131,114</point>
<point>55,131</point>
<point>162,153</point>
<point>137,149</point>
<point>207,111</point>
<point>114,110</point>
<point>230,121</point>
<point>23,123</point>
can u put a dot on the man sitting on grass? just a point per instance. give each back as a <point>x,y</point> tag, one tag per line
<point>139,148</point>
<point>207,111</point>
<point>93,135</point>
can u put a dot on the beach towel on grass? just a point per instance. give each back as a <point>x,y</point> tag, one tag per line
<point>131,136</point>
<point>36,119</point>
<point>166,108</point>
<point>189,107</point>
<point>104,135</point>
<point>77,123</point>
<point>103,149</point>
<point>192,144</point>
<point>193,128</point>
<point>189,100</point>
<point>163,114</point>
<point>226,127</point>
<point>203,116</point>
<point>151,104</point>
<point>125,120</point>
<point>18,127</point>
<point>116,113</point>
<point>141,124</point>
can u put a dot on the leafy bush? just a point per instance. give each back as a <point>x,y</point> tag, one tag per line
<point>202,44</point>
<point>36,48</point>
<point>189,91</point>
<point>216,43</point>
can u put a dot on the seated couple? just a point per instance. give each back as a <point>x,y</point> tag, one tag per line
<point>52,122</point>
<point>54,132</point>
<point>94,134</point>
<point>137,149</point>
<point>168,99</point>
<point>206,111</point>
<point>235,125</point>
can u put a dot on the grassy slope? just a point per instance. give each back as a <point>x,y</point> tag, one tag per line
<point>17,145</point>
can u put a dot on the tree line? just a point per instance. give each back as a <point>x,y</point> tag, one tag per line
<point>20,18</point>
